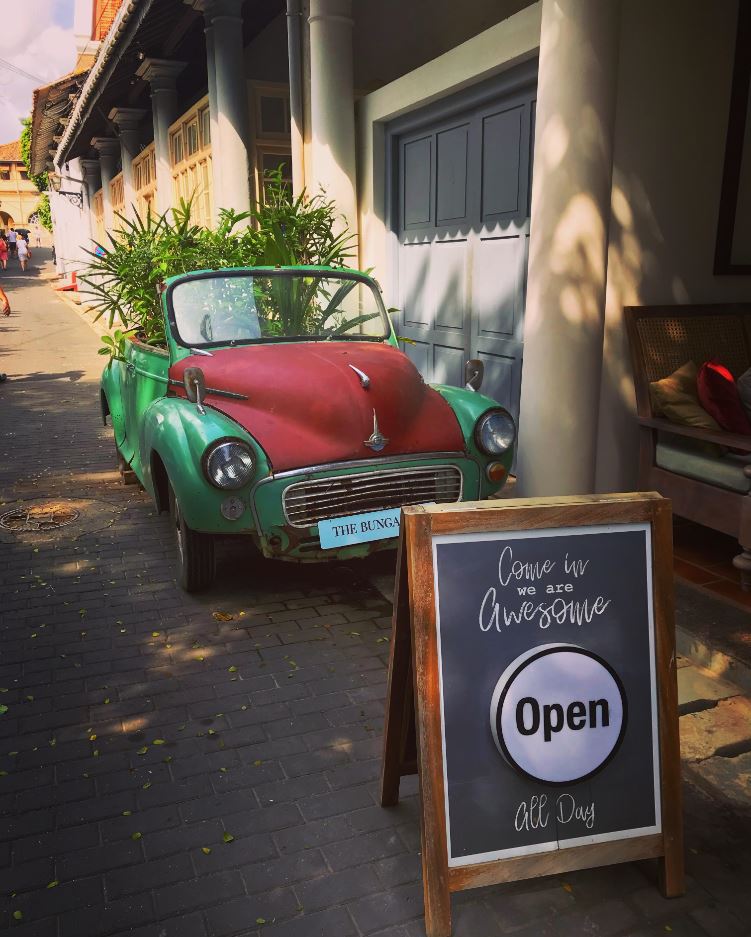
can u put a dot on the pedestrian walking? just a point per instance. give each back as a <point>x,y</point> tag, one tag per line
<point>12,239</point>
<point>3,252</point>
<point>37,236</point>
<point>22,248</point>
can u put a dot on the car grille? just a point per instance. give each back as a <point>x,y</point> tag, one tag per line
<point>306,503</point>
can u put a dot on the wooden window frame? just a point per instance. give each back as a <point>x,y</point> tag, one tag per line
<point>192,175</point>
<point>264,143</point>
<point>144,180</point>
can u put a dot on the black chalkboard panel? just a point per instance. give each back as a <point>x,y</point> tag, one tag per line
<point>567,616</point>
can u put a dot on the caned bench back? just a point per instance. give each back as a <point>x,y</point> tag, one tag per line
<point>662,338</point>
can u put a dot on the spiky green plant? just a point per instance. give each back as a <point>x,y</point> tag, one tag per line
<point>124,276</point>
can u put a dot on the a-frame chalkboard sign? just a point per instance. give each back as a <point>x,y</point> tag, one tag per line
<point>532,684</point>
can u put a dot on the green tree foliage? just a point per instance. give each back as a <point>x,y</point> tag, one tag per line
<point>41,181</point>
<point>126,275</point>
<point>43,212</point>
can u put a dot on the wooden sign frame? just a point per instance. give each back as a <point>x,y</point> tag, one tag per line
<point>413,735</point>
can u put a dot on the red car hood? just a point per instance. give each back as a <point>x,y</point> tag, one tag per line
<point>306,406</point>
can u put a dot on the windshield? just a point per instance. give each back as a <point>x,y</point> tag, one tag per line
<point>224,309</point>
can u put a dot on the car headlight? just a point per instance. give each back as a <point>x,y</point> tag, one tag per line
<point>495,432</point>
<point>229,465</point>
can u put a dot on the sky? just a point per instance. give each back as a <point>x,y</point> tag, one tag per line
<point>37,36</point>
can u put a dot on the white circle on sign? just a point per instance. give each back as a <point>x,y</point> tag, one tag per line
<point>558,714</point>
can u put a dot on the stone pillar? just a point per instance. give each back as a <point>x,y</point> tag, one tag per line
<point>108,150</point>
<point>91,178</point>
<point>161,75</point>
<point>228,103</point>
<point>564,319</point>
<point>332,107</point>
<point>128,120</point>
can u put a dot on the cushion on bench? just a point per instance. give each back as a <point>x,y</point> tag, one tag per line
<point>682,457</point>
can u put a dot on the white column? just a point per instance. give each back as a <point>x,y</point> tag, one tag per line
<point>128,120</point>
<point>225,61</point>
<point>564,318</point>
<point>161,75</point>
<point>332,107</point>
<point>108,150</point>
<point>90,172</point>
<point>216,162</point>
<point>294,59</point>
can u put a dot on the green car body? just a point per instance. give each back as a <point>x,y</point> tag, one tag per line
<point>164,436</point>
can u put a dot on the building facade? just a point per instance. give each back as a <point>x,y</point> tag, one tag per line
<point>19,197</point>
<point>516,175</point>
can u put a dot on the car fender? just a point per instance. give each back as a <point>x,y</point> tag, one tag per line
<point>173,431</point>
<point>469,406</point>
<point>112,399</point>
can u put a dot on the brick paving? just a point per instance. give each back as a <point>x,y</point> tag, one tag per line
<point>145,728</point>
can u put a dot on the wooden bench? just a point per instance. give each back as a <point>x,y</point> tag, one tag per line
<point>705,486</point>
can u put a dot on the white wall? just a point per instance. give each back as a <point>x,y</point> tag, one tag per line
<point>675,68</point>
<point>266,56</point>
<point>394,37</point>
<point>71,229</point>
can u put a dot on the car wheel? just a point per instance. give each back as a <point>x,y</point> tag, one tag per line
<point>195,551</point>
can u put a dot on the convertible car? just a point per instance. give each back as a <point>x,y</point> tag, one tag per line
<point>281,409</point>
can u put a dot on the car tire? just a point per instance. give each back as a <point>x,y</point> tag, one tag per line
<point>195,551</point>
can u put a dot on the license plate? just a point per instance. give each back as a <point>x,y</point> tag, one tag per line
<point>358,528</point>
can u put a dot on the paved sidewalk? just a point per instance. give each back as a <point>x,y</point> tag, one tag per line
<point>173,766</point>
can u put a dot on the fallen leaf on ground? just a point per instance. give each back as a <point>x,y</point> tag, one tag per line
<point>222,616</point>
<point>206,850</point>
<point>136,835</point>
<point>228,838</point>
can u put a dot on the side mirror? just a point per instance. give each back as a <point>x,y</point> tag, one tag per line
<point>474,371</point>
<point>195,387</point>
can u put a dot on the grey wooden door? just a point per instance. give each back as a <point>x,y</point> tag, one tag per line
<point>463,233</point>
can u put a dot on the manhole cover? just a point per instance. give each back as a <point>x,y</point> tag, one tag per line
<point>38,517</point>
<point>40,520</point>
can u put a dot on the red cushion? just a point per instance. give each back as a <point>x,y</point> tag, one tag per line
<point>719,397</point>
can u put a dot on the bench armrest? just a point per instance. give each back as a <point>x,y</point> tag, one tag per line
<point>731,440</point>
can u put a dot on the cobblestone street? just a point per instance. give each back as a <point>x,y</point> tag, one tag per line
<point>182,766</point>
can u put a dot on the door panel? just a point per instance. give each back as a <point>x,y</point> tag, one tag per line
<point>501,378</point>
<point>448,365</point>
<point>463,232</point>
<point>495,269</point>
<point>451,170</point>
<point>418,182</point>
<point>414,282</point>
<point>501,145</point>
<point>447,286</point>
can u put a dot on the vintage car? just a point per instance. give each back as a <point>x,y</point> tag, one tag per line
<point>282,409</point>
